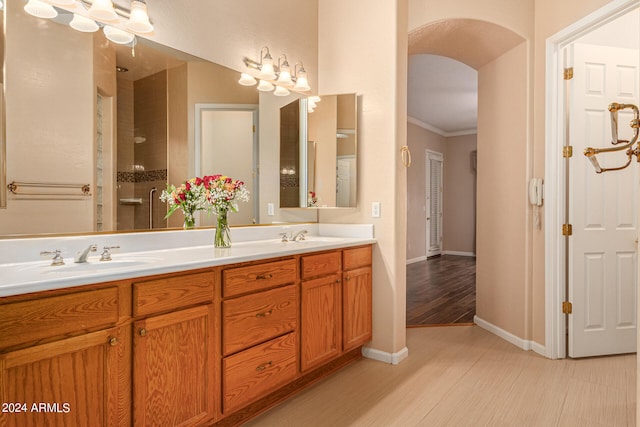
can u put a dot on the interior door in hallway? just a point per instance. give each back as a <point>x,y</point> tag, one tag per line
<point>434,203</point>
<point>602,207</point>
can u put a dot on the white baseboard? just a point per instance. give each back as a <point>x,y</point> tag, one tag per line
<point>459,253</point>
<point>420,258</point>
<point>508,336</point>
<point>383,356</point>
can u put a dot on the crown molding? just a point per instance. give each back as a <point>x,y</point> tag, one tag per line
<point>439,131</point>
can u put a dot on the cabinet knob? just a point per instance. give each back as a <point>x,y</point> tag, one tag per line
<point>347,278</point>
<point>338,280</point>
<point>113,341</point>
<point>264,366</point>
<point>143,332</point>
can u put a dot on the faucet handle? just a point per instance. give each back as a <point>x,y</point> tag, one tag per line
<point>106,255</point>
<point>57,258</point>
<point>285,237</point>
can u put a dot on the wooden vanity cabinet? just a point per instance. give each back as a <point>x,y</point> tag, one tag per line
<point>63,360</point>
<point>175,351</point>
<point>356,297</point>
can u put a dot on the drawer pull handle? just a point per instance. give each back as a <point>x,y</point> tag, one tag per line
<point>264,366</point>
<point>264,276</point>
<point>113,341</point>
<point>143,332</point>
<point>348,278</point>
<point>265,313</point>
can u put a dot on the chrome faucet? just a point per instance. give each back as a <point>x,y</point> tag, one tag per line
<point>82,255</point>
<point>299,235</point>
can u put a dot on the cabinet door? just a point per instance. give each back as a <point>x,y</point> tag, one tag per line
<point>174,379</point>
<point>356,307</point>
<point>321,321</point>
<point>72,382</point>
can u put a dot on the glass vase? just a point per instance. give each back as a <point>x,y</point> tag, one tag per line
<point>223,234</point>
<point>189,221</point>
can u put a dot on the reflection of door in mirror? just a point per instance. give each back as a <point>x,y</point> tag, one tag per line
<point>227,144</point>
<point>290,155</point>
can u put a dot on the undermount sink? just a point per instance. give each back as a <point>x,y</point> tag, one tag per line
<point>320,239</point>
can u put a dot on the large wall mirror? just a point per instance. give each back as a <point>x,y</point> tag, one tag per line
<point>318,152</point>
<point>82,110</point>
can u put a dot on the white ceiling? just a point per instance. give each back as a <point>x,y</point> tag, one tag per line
<point>442,95</point>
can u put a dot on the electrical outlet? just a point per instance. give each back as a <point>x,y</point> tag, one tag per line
<point>375,209</point>
<point>270,209</point>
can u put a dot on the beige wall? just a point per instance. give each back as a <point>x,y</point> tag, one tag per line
<point>459,209</point>
<point>374,33</point>
<point>501,282</point>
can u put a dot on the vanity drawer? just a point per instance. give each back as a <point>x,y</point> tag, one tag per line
<point>321,264</point>
<point>241,280</point>
<point>255,318</point>
<point>254,373</point>
<point>356,257</point>
<point>170,293</point>
<point>30,321</point>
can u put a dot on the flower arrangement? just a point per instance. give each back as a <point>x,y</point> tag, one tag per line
<point>312,200</point>
<point>188,197</point>
<point>216,194</point>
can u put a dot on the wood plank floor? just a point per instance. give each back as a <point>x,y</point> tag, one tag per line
<point>441,290</point>
<point>465,376</point>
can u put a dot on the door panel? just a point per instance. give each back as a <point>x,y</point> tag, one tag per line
<point>602,207</point>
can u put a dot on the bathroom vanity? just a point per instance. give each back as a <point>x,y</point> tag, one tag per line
<point>180,336</point>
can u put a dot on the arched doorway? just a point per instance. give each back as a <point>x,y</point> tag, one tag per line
<point>501,58</point>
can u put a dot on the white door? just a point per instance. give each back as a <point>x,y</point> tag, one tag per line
<point>345,182</point>
<point>227,147</point>
<point>602,207</point>
<point>434,203</point>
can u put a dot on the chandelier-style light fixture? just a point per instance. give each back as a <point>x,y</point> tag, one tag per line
<point>277,78</point>
<point>119,25</point>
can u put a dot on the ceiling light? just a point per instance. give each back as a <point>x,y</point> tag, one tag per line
<point>247,80</point>
<point>83,24</point>
<point>281,91</point>
<point>265,86</point>
<point>117,35</point>
<point>63,2</point>
<point>139,19</point>
<point>40,9</point>
<point>103,10</point>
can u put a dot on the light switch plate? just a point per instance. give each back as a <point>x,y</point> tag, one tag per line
<point>375,209</point>
<point>270,209</point>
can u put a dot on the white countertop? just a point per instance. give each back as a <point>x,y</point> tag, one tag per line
<point>158,253</point>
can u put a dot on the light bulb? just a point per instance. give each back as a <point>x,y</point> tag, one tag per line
<point>265,86</point>
<point>117,35</point>
<point>40,9</point>
<point>139,18</point>
<point>84,24</point>
<point>247,79</point>
<point>103,10</point>
<point>281,91</point>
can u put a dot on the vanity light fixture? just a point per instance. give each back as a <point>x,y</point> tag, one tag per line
<point>40,9</point>
<point>94,14</point>
<point>278,77</point>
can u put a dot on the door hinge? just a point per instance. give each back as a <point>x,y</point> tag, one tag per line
<point>568,73</point>
<point>253,128</point>
<point>567,307</point>
<point>567,230</point>
<point>567,151</point>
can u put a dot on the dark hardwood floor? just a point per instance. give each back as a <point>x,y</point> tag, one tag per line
<point>441,290</point>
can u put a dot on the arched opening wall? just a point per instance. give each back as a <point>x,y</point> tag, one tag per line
<point>502,58</point>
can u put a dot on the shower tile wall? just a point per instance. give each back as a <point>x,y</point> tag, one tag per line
<point>142,150</point>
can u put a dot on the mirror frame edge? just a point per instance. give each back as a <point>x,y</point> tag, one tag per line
<point>3,124</point>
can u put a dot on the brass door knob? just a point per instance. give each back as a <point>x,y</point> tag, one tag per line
<point>143,332</point>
